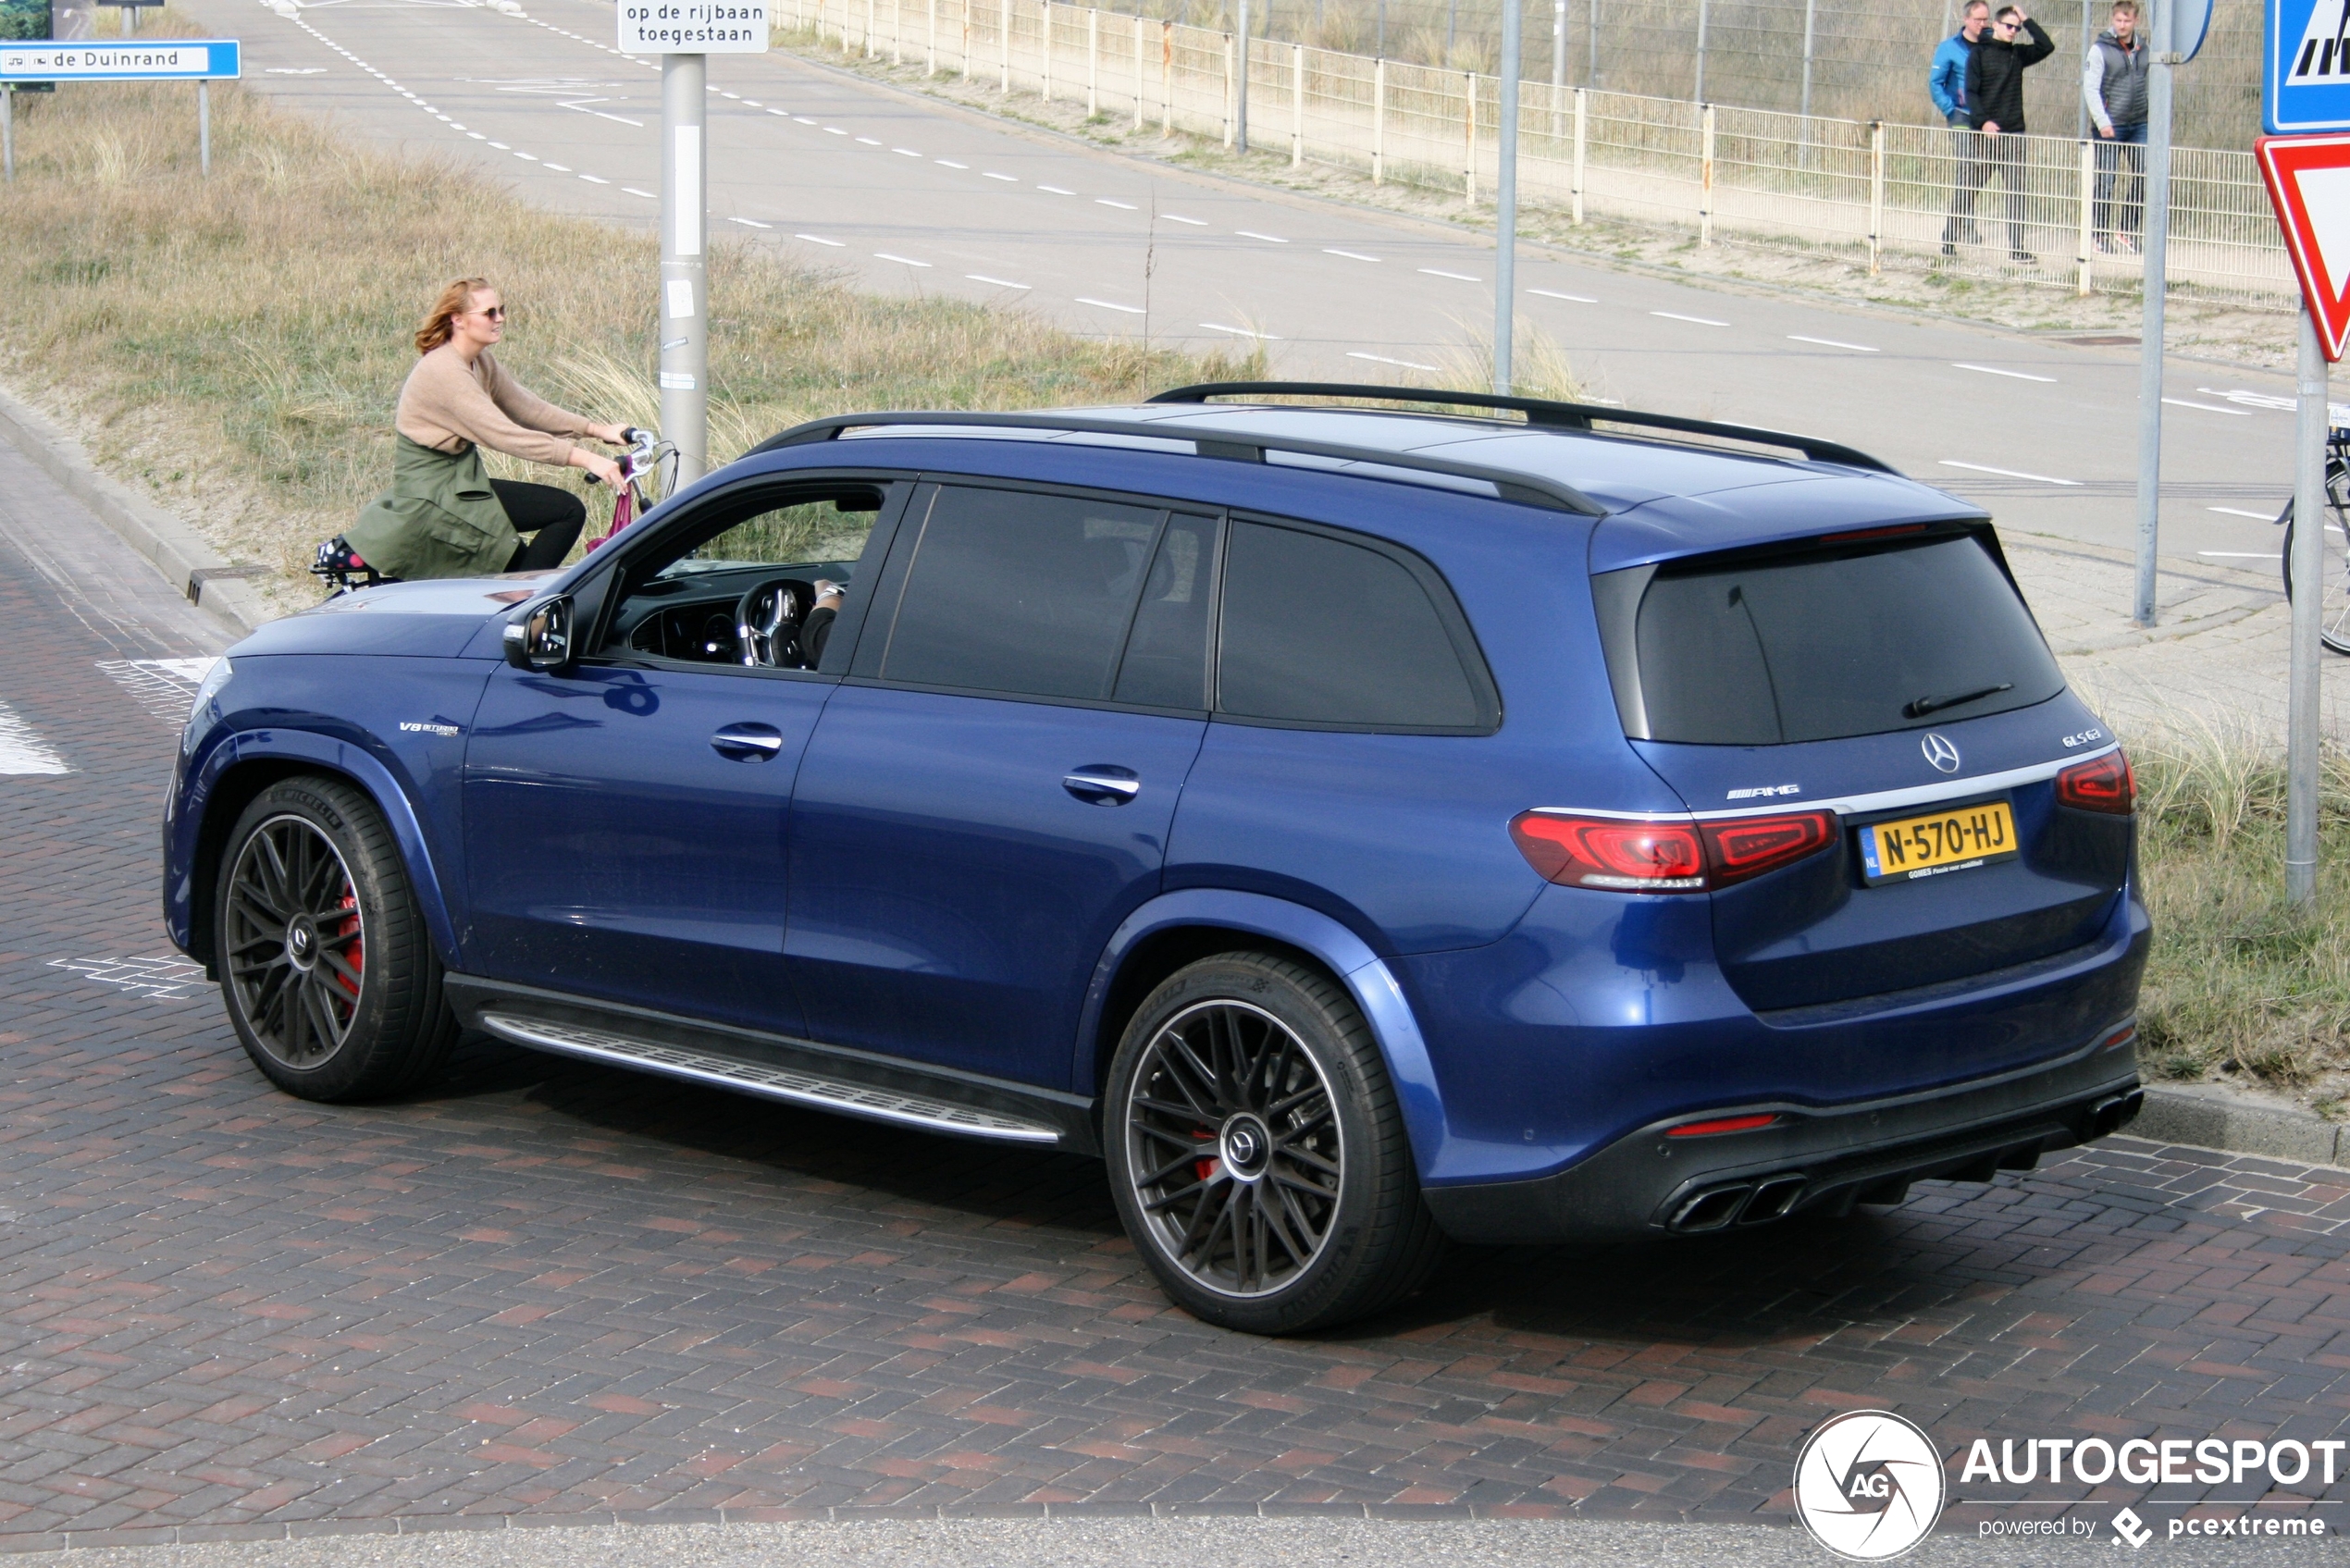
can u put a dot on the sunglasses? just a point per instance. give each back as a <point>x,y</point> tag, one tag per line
<point>495,313</point>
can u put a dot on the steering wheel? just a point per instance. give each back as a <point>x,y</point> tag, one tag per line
<point>767,621</point>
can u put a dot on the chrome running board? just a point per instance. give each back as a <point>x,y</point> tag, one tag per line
<point>771,1082</point>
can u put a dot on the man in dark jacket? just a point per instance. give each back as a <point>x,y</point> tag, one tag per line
<point>2113,84</point>
<point>1995,106</point>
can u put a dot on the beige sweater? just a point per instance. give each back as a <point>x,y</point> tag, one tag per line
<point>446,405</point>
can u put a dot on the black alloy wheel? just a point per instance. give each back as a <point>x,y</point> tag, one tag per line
<point>294,942</point>
<point>330,979</point>
<point>1235,1148</point>
<point>1257,1151</point>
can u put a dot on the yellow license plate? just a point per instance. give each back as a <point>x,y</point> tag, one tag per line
<point>1951,840</point>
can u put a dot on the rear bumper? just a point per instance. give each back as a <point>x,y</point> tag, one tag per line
<point>1810,1160</point>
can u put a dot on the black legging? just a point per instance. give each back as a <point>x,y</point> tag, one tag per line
<point>554,517</point>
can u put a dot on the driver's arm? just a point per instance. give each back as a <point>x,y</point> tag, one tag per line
<point>817,629</point>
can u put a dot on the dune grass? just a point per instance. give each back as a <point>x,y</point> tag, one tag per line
<point>236,344</point>
<point>2241,983</point>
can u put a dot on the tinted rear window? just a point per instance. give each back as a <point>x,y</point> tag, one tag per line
<point>1318,631</point>
<point>1849,643</point>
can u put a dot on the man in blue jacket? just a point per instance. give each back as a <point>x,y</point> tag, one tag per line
<point>1947,84</point>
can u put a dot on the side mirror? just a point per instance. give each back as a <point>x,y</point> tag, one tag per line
<point>539,637</point>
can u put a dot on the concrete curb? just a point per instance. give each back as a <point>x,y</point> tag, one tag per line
<point>2211,1116</point>
<point>209,579</point>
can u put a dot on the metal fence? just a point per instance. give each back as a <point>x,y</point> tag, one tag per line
<point>2045,210</point>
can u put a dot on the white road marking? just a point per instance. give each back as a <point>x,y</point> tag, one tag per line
<point>750,223</point>
<point>1178,218</point>
<point>1107,201</point>
<point>1830,344</point>
<point>22,751</point>
<point>753,103</point>
<point>949,163</point>
<point>1694,320</point>
<point>835,131</point>
<point>560,169</point>
<point>2244,554</point>
<point>1240,331</point>
<point>2005,472</point>
<point>735,96</point>
<point>802,120</point>
<point>1382,359</point>
<point>820,239</point>
<point>1578,299</point>
<point>990,174</point>
<point>532,156</point>
<point>163,978</point>
<point>1995,370</point>
<point>1456,277</point>
<point>902,261</point>
<point>477,135</point>
<point>905,152</point>
<point>2239,511</point>
<point>501,146</point>
<point>1055,189</point>
<point>2251,399</point>
<point>163,687</point>
<point>593,180</point>
<point>646,194</point>
<point>1130,310</point>
<point>2209,408</point>
<point>867,141</point>
<point>1252,234</point>
<point>1351,255</point>
<point>785,113</point>
<point>290,70</point>
<point>996,282</point>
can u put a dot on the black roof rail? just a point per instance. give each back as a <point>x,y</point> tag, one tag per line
<point>1528,489</point>
<point>1539,412</point>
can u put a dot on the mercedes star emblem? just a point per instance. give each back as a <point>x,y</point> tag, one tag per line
<point>1940,752</point>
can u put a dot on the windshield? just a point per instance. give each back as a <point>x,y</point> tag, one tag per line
<point>1850,641</point>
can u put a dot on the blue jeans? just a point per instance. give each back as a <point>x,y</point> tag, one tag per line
<point>2121,178</point>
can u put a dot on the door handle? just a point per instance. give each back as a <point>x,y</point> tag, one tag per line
<point>1101,784</point>
<point>747,743</point>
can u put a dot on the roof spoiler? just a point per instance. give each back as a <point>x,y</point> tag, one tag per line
<point>1539,411</point>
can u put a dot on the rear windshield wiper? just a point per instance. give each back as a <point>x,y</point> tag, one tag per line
<point>1925,705</point>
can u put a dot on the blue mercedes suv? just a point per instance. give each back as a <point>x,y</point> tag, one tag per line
<point>1360,822</point>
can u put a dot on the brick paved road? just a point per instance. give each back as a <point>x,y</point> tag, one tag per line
<point>545,1289</point>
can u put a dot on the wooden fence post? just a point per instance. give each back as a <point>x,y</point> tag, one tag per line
<point>1045,11</point>
<point>1378,122</point>
<point>2088,194</point>
<point>1138,70</point>
<point>1227,92</point>
<point>1468,127</point>
<point>1166,80</point>
<point>1876,196</point>
<point>930,50</point>
<point>1582,118</point>
<point>1004,46</point>
<point>1705,176</point>
<point>1092,62</point>
<point>1297,106</point>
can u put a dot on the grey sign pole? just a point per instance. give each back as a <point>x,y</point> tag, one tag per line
<point>2156,247</point>
<point>2302,707</point>
<point>8,132</point>
<point>1558,50</point>
<point>1505,197</point>
<point>684,276</point>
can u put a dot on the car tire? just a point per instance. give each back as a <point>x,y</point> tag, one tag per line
<point>1301,1207</point>
<point>325,963</point>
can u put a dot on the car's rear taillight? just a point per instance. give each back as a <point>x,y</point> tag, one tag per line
<point>2102,784</point>
<point>1623,854</point>
<point>1666,854</point>
<point>1740,847</point>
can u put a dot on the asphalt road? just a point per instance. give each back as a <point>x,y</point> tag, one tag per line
<point>905,193</point>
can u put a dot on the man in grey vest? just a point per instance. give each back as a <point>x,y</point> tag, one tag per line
<point>2113,84</point>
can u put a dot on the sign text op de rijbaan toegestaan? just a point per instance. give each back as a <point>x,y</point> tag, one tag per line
<point>693,27</point>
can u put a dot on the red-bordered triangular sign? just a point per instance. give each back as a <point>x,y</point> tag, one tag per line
<point>2309,185</point>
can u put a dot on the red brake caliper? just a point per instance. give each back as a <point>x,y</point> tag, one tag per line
<point>357,956</point>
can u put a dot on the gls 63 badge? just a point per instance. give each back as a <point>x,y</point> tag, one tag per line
<point>1869,1486</point>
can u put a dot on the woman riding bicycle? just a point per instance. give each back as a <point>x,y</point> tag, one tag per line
<point>443,516</point>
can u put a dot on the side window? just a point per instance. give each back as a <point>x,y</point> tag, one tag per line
<point>1319,631</point>
<point>1166,662</point>
<point>765,548</point>
<point>1021,593</point>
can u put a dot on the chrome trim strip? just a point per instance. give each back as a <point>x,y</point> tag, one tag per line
<point>1852,805</point>
<point>771,1082</point>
